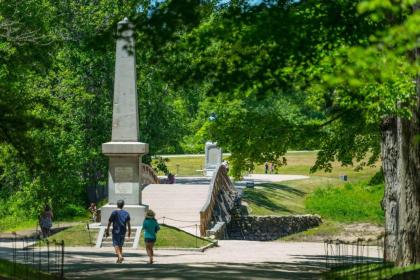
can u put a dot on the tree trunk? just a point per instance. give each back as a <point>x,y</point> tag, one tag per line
<point>401,165</point>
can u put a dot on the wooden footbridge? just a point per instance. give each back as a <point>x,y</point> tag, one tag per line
<point>194,208</point>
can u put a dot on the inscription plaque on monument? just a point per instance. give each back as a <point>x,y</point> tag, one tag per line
<point>123,188</point>
<point>214,157</point>
<point>124,174</point>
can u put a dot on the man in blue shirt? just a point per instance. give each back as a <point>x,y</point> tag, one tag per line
<point>120,220</point>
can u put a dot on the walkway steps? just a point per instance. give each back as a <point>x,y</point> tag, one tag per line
<point>132,242</point>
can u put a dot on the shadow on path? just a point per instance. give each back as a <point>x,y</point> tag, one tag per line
<point>262,200</point>
<point>284,188</point>
<point>267,270</point>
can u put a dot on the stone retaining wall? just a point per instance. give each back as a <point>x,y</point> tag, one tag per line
<point>264,228</point>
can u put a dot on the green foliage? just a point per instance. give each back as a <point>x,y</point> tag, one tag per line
<point>377,179</point>
<point>57,67</point>
<point>348,204</point>
<point>71,210</point>
<point>160,165</point>
<point>255,62</point>
<point>276,75</point>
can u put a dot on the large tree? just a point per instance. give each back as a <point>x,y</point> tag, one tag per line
<point>344,73</point>
<point>381,80</point>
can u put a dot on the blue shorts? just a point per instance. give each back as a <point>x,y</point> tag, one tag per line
<point>118,240</point>
<point>149,240</point>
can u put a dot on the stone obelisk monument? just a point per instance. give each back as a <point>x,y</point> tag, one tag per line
<point>125,150</point>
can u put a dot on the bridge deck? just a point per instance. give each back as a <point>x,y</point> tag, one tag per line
<point>179,204</point>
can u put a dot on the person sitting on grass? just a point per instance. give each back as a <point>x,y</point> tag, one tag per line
<point>150,227</point>
<point>120,220</point>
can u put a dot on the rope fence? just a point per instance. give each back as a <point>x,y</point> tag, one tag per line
<point>196,225</point>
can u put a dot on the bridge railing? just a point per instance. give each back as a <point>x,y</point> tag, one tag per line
<point>148,175</point>
<point>220,182</point>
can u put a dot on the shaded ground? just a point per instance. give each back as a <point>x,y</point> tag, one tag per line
<point>231,260</point>
<point>269,270</point>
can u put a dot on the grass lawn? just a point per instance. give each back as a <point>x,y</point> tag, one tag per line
<point>167,237</point>
<point>170,237</point>
<point>186,166</point>
<point>374,271</point>
<point>285,198</point>
<point>338,202</point>
<point>298,162</point>
<point>11,223</point>
<point>76,236</point>
<point>351,203</point>
<point>20,271</point>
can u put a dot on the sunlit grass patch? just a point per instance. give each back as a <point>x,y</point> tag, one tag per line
<point>374,271</point>
<point>350,203</point>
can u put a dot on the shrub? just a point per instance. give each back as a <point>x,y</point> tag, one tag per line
<point>70,210</point>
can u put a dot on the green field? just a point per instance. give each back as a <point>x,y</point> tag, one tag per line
<point>285,198</point>
<point>298,162</point>
<point>351,203</point>
<point>168,237</point>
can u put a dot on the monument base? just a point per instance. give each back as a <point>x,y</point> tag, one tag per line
<point>137,213</point>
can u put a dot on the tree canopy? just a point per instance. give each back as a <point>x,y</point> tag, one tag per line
<point>273,76</point>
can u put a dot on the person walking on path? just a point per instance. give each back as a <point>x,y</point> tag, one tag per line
<point>120,220</point>
<point>45,221</point>
<point>272,167</point>
<point>266,167</point>
<point>150,227</point>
